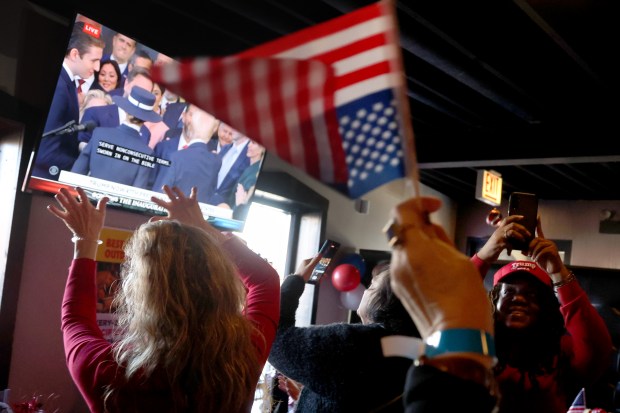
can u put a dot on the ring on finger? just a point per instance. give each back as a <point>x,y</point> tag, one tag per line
<point>395,232</point>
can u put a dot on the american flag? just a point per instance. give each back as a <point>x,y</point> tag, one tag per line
<point>579,405</point>
<point>324,99</point>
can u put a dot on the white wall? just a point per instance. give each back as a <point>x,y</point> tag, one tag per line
<point>364,231</point>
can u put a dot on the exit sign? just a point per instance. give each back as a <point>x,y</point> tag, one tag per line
<point>489,187</point>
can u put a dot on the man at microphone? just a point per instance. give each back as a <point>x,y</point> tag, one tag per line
<point>57,150</point>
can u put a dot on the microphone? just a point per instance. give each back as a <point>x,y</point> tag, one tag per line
<point>72,127</point>
<point>88,126</point>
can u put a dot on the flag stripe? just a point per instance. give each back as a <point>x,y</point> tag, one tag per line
<point>338,163</point>
<point>337,40</point>
<point>368,86</point>
<point>288,90</point>
<point>262,104</point>
<point>367,43</point>
<point>303,99</point>
<point>361,75</point>
<point>307,35</point>
<point>383,54</point>
<point>232,84</point>
<point>276,109</point>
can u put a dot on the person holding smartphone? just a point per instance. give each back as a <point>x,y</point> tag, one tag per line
<point>341,366</point>
<point>550,340</point>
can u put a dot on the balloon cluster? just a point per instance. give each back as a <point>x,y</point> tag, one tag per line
<point>347,277</point>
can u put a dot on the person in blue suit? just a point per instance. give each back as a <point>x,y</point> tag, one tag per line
<point>112,115</point>
<point>174,139</point>
<point>82,58</point>
<point>195,165</point>
<point>173,115</point>
<point>234,161</point>
<point>118,154</point>
<point>223,137</point>
<point>123,48</point>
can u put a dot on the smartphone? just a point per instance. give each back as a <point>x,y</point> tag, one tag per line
<point>328,251</point>
<point>526,204</point>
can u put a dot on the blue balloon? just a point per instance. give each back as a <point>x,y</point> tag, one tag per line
<point>355,260</point>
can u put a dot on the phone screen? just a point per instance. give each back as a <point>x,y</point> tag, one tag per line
<point>327,251</point>
<point>526,204</point>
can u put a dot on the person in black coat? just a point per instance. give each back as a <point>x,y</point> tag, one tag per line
<point>342,366</point>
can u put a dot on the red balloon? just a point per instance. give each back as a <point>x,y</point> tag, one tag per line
<point>494,217</point>
<point>346,277</point>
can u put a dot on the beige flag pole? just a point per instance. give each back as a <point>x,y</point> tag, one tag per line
<point>402,101</point>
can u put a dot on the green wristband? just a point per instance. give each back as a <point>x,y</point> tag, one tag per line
<point>459,340</point>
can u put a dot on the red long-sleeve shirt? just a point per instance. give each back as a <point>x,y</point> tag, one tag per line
<point>587,347</point>
<point>89,356</point>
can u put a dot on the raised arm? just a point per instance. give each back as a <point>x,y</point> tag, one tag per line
<point>443,293</point>
<point>83,219</point>
<point>508,228</point>
<point>588,342</point>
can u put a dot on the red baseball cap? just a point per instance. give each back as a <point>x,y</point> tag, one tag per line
<point>522,266</point>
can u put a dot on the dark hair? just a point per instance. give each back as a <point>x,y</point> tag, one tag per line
<point>82,41</point>
<point>140,53</point>
<point>138,71</point>
<point>537,346</point>
<point>162,88</point>
<point>117,69</point>
<point>384,307</point>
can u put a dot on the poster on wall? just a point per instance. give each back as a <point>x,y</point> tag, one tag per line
<point>110,256</point>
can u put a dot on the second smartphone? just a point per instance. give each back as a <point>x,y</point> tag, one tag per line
<point>327,252</point>
<point>526,204</point>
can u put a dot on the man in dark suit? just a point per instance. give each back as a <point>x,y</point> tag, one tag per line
<point>174,139</point>
<point>110,115</point>
<point>194,165</point>
<point>223,137</point>
<point>118,154</point>
<point>234,161</point>
<point>123,48</point>
<point>173,115</point>
<point>82,57</point>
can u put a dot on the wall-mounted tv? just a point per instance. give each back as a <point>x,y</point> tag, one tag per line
<point>94,148</point>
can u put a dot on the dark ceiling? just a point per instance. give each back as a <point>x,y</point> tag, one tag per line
<point>528,89</point>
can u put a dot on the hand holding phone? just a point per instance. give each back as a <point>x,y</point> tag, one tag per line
<point>327,252</point>
<point>525,204</point>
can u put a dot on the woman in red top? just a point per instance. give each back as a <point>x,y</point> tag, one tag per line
<point>550,340</point>
<point>197,309</point>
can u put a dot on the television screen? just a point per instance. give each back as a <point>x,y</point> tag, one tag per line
<point>115,133</point>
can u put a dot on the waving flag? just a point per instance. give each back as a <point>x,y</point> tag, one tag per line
<point>579,405</point>
<point>325,99</point>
